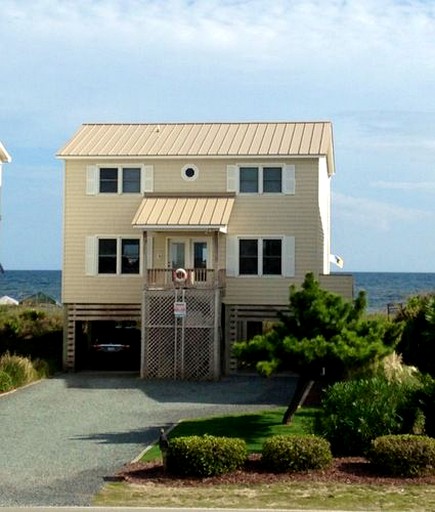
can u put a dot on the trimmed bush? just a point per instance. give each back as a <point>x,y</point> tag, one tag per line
<point>204,456</point>
<point>356,412</point>
<point>5,382</point>
<point>282,453</point>
<point>20,369</point>
<point>403,455</point>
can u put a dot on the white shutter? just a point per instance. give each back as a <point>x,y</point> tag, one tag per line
<point>91,255</point>
<point>288,179</point>
<point>147,179</point>
<point>288,256</point>
<point>92,179</point>
<point>232,256</point>
<point>232,178</point>
<point>149,251</point>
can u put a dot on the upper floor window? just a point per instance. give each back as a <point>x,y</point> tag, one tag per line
<point>119,179</point>
<point>261,179</point>
<point>123,180</point>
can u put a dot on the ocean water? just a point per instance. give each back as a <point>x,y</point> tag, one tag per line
<point>20,284</point>
<point>385,288</point>
<point>382,288</point>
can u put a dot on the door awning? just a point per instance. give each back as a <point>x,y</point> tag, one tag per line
<point>184,212</point>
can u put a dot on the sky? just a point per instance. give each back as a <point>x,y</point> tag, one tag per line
<point>368,66</point>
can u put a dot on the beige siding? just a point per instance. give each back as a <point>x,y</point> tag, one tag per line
<point>86,215</point>
<point>295,215</point>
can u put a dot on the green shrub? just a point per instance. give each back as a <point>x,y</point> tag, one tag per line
<point>5,382</point>
<point>42,368</point>
<point>20,369</point>
<point>295,453</point>
<point>203,456</point>
<point>356,412</point>
<point>403,455</point>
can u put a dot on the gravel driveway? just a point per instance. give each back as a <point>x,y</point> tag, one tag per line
<point>60,438</point>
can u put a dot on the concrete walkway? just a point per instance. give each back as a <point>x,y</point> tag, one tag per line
<point>61,438</point>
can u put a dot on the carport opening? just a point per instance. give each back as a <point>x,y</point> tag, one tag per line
<point>103,345</point>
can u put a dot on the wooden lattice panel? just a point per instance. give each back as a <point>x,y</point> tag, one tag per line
<point>183,348</point>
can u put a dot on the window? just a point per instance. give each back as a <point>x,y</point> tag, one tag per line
<point>272,179</point>
<point>124,179</point>
<point>131,180</point>
<point>248,257</point>
<point>272,257</point>
<point>130,256</point>
<point>119,179</point>
<point>264,254</point>
<point>261,179</point>
<point>107,256</point>
<point>249,179</point>
<point>109,180</point>
<point>118,256</point>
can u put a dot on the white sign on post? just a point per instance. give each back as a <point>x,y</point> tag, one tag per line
<point>179,309</point>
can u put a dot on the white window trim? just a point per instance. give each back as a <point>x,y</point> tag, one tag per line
<point>93,178</point>
<point>288,172</point>
<point>287,256</point>
<point>92,254</point>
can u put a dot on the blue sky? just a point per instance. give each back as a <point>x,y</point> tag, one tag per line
<point>366,65</point>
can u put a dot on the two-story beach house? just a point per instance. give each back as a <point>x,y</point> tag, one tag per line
<point>185,237</point>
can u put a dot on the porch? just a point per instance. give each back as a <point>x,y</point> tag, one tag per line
<point>168,278</point>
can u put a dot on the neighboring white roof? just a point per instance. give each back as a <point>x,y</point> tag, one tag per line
<point>274,139</point>
<point>9,301</point>
<point>4,155</point>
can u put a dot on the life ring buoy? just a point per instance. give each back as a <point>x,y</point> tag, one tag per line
<point>180,275</point>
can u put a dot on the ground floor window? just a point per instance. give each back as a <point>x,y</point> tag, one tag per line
<point>113,255</point>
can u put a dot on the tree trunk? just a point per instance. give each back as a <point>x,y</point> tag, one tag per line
<point>303,387</point>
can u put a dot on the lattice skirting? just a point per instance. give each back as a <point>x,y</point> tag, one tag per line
<point>186,347</point>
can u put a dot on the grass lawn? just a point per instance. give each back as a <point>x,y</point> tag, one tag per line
<point>254,428</point>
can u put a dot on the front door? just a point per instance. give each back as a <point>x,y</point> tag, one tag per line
<point>177,254</point>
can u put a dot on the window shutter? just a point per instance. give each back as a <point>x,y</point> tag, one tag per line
<point>91,180</point>
<point>288,179</point>
<point>91,256</point>
<point>232,256</point>
<point>147,181</point>
<point>149,251</point>
<point>232,178</point>
<point>288,256</point>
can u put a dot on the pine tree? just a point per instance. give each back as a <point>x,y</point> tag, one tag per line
<point>320,334</point>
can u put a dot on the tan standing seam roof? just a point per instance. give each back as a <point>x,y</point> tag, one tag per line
<point>211,212</point>
<point>202,140</point>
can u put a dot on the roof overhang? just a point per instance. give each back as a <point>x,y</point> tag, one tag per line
<point>181,212</point>
<point>5,157</point>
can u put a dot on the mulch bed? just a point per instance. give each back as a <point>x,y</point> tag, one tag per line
<point>349,470</point>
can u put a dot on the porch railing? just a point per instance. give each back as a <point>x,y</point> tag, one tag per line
<point>195,278</point>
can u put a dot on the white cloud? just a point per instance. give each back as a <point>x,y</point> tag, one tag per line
<point>375,215</point>
<point>406,186</point>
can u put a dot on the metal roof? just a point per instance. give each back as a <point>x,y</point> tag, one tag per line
<point>202,140</point>
<point>184,212</point>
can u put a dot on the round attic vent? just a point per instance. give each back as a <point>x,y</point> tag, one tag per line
<point>189,172</point>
